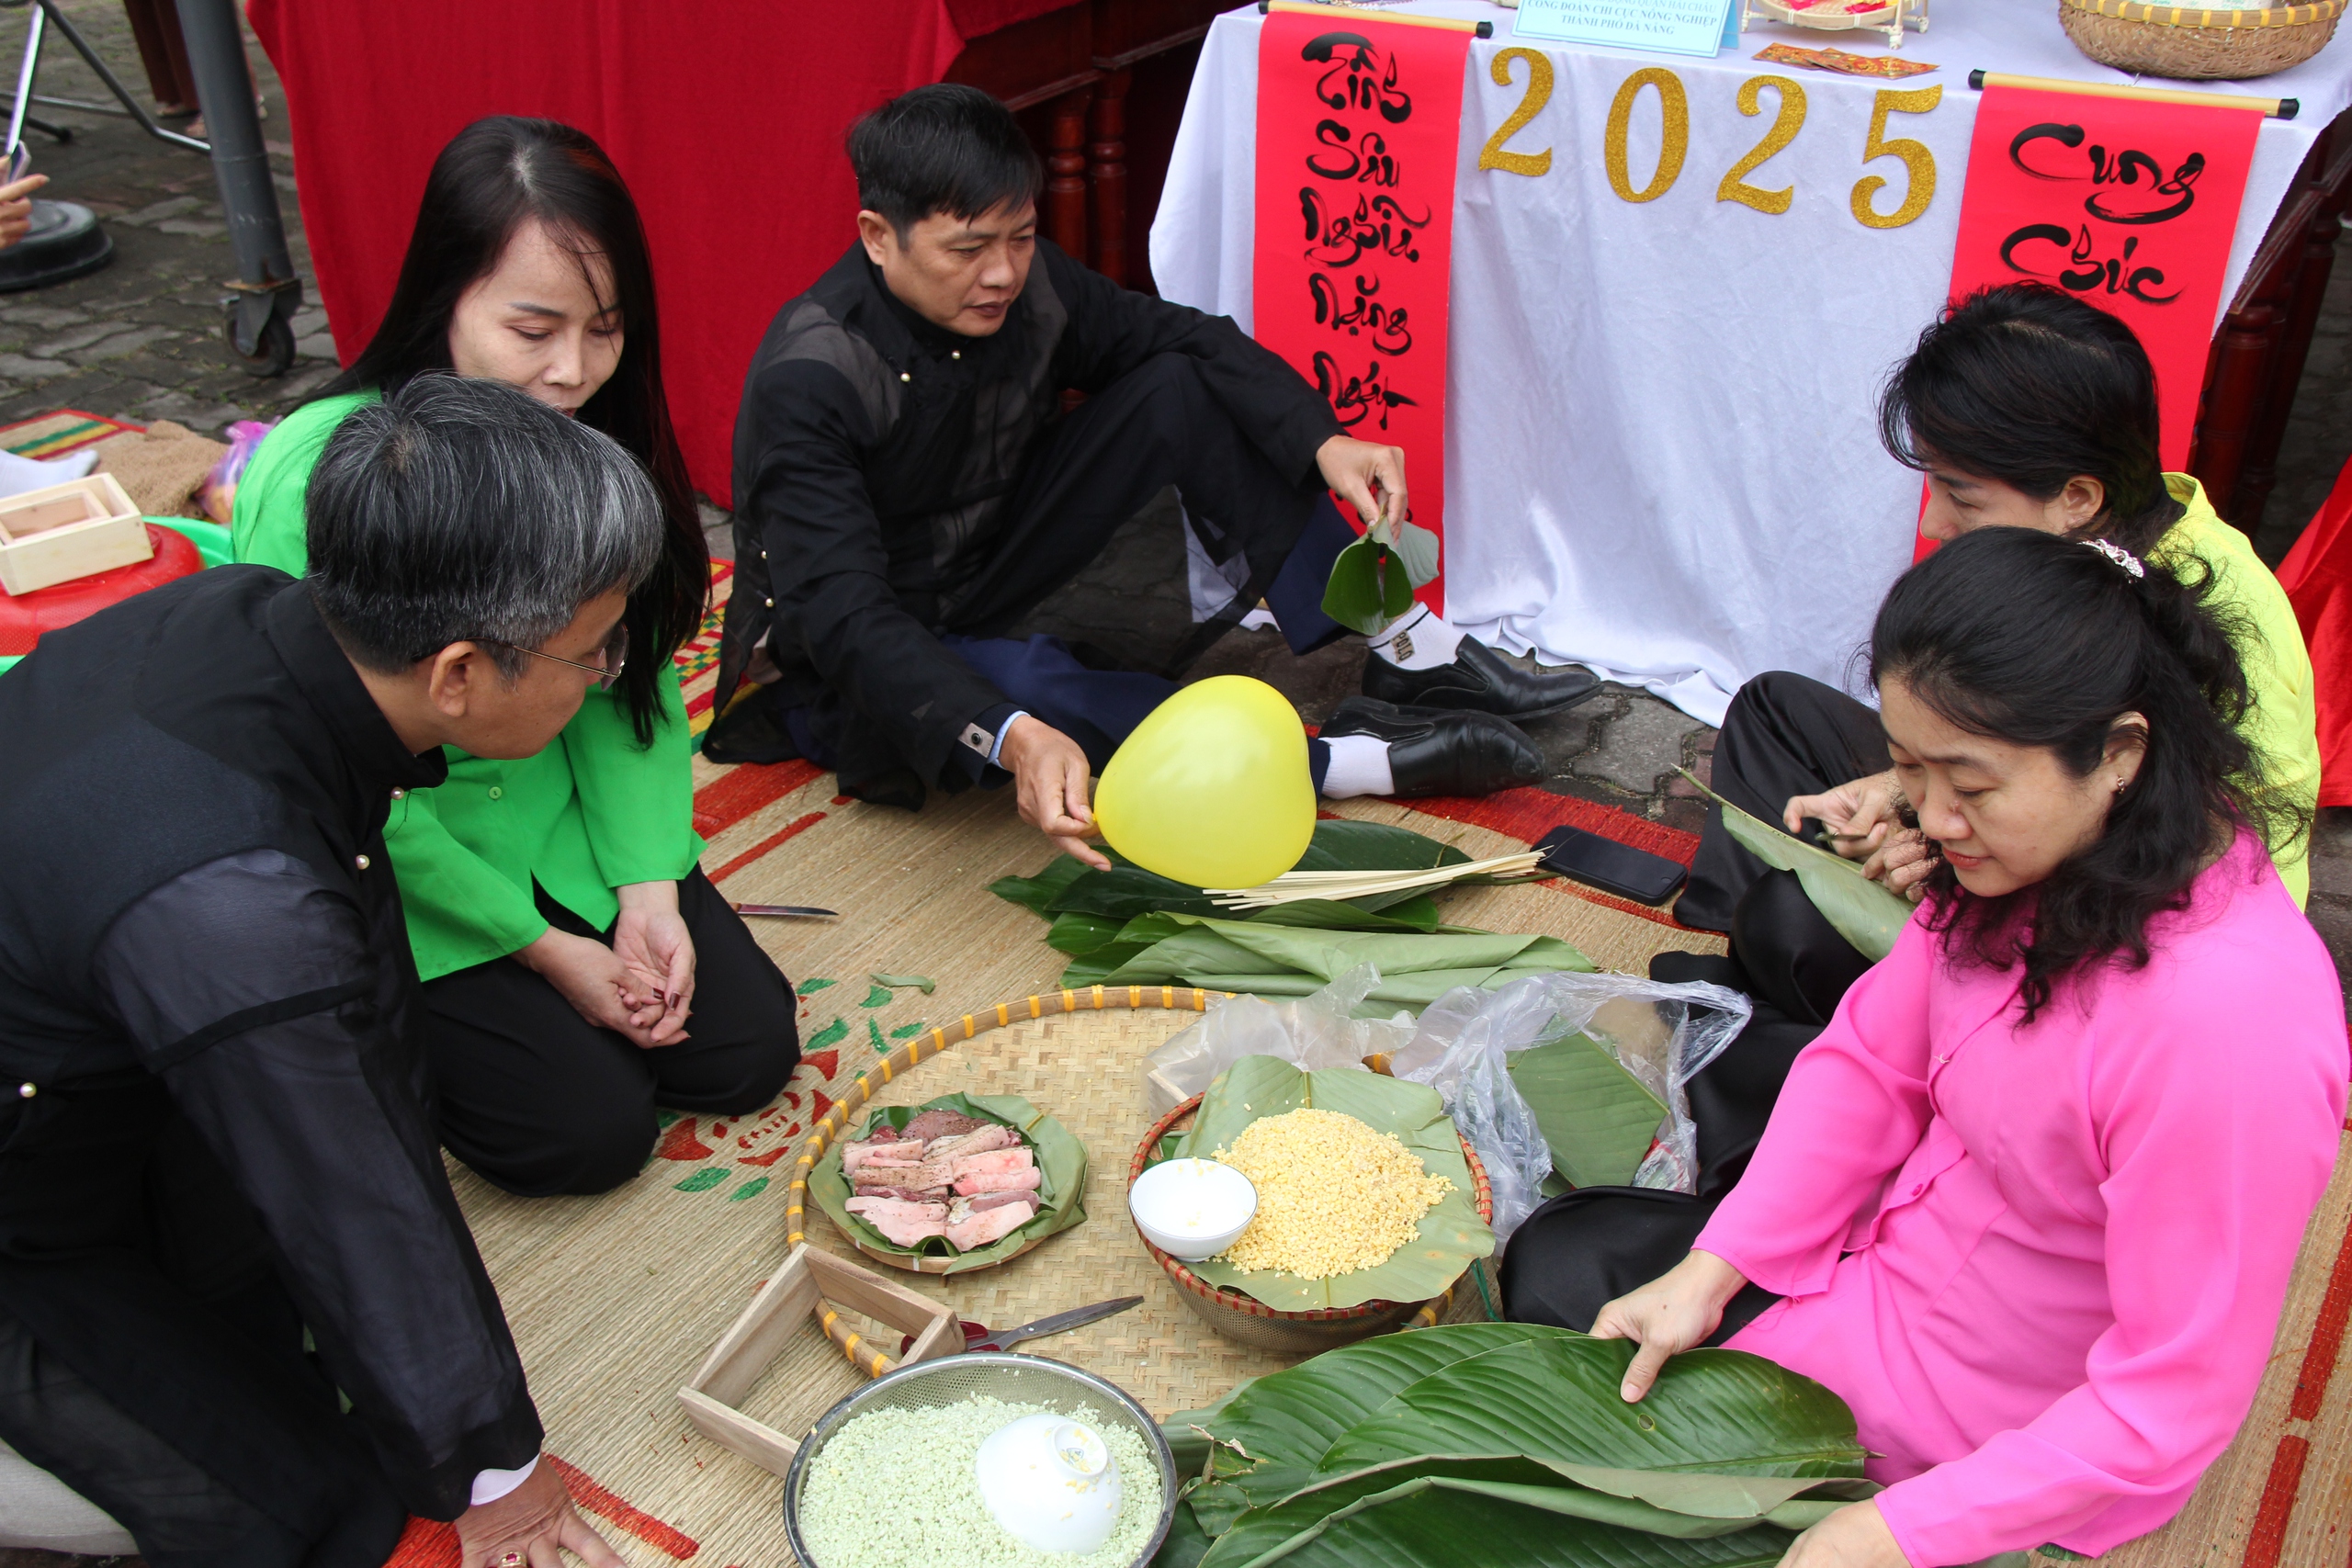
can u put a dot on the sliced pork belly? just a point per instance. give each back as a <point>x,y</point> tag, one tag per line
<point>979,1140</point>
<point>857,1156</point>
<point>905,1194</point>
<point>998,1181</point>
<point>962,1209</point>
<point>990,1162</point>
<point>903,1224</point>
<point>978,1227</point>
<point>925,1126</point>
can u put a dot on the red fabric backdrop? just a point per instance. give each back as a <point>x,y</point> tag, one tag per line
<point>2317,576</point>
<point>726,117</point>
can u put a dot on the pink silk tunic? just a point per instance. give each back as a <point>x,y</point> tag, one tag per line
<point>2044,1265</point>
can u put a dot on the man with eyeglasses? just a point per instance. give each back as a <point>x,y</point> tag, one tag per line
<point>215,1130</point>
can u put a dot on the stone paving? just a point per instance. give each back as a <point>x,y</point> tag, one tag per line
<point>142,340</point>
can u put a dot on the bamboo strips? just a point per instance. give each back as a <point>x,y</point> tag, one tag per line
<point>1292,886</point>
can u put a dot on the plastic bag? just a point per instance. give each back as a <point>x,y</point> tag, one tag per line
<point>218,493</point>
<point>1312,1031</point>
<point>1662,1034</point>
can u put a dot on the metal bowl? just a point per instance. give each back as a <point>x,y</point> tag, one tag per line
<point>1025,1379</point>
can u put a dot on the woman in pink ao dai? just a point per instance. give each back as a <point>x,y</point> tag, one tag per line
<point>2032,1199</point>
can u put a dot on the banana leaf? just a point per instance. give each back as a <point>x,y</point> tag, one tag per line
<point>1864,912</point>
<point>1451,1234</point>
<point>1272,1433</point>
<point>1508,1444</point>
<point>1441,1515</point>
<point>1597,1116</point>
<point>1416,548</point>
<point>1061,1185</point>
<point>1036,894</point>
<point>1729,1506</point>
<point>1416,968</point>
<point>1520,1391</point>
<point>1370,586</point>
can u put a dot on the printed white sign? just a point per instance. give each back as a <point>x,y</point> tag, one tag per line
<point>1677,26</point>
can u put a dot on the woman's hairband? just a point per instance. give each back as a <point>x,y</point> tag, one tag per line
<point>2119,556</point>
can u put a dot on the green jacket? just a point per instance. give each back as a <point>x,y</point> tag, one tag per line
<point>2284,725</point>
<point>593,812</point>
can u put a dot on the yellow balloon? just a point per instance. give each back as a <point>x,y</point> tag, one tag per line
<point>1213,788</point>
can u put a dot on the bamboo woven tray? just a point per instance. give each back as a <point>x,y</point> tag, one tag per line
<point>2195,43</point>
<point>1078,1056</point>
<point>1239,1315</point>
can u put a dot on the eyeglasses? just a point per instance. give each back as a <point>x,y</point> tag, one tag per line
<point>611,660</point>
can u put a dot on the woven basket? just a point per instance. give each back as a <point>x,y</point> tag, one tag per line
<point>1251,1322</point>
<point>2195,45</point>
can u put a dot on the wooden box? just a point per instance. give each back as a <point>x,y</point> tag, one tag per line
<point>807,1281</point>
<point>61,531</point>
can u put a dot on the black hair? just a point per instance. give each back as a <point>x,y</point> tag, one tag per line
<point>457,510</point>
<point>491,179</point>
<point>2027,385</point>
<point>2045,641</point>
<point>945,148</point>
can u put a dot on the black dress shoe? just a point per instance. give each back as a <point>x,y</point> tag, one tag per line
<point>1432,751</point>
<point>1481,680</point>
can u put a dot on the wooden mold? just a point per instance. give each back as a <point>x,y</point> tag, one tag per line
<point>61,531</point>
<point>808,1282</point>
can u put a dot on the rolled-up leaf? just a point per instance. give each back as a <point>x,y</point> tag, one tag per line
<point>1864,912</point>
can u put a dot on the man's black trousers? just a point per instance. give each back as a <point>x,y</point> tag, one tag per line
<point>149,1356</point>
<point>540,1101</point>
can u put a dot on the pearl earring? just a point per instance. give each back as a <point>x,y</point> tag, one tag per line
<point>2119,785</point>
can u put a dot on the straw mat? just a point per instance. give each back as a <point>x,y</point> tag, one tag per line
<point>615,1299</point>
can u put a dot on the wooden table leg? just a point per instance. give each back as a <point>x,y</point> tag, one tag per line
<point>1106,175</point>
<point>1065,214</point>
<point>2299,315</point>
<point>2232,393</point>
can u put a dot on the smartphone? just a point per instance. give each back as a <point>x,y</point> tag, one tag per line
<point>1610,866</point>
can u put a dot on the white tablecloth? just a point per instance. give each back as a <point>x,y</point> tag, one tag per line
<point>1661,453</point>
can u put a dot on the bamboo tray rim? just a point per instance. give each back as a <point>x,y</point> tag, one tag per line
<point>1094,998</point>
<point>2206,17</point>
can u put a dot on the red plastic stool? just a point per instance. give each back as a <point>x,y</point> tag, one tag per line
<point>24,616</point>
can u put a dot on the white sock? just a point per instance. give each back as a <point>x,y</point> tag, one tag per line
<point>1422,640</point>
<point>1358,766</point>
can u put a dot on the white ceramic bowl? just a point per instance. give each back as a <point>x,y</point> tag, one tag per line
<point>1051,1481</point>
<point>1192,1208</point>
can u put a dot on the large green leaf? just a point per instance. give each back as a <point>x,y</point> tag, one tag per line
<point>1597,1116</point>
<point>1512,1390</point>
<point>1078,934</point>
<point>1451,1234</point>
<point>1061,1184</point>
<point>1036,893</point>
<point>1480,1512</point>
<point>1330,954</point>
<point>1864,912</point>
<point>1187,1542</point>
<point>1273,1432</point>
<point>1067,885</point>
<point>1556,1398</point>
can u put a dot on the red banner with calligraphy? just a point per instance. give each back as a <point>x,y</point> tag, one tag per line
<point>2128,203</point>
<point>1358,129</point>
